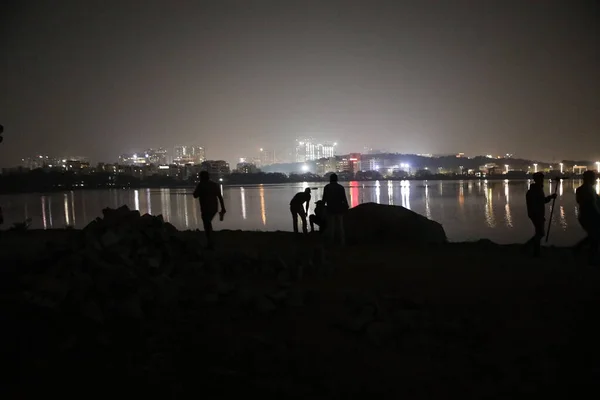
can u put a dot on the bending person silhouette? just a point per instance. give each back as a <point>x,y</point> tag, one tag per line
<point>297,209</point>
<point>589,215</point>
<point>318,217</point>
<point>209,195</point>
<point>536,211</point>
<point>334,197</point>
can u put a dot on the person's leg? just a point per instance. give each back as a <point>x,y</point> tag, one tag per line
<point>208,229</point>
<point>330,231</point>
<point>340,228</point>
<point>304,224</point>
<point>594,241</point>
<point>294,219</point>
<point>311,219</point>
<point>537,239</point>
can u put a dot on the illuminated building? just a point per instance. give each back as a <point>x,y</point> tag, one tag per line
<point>189,155</point>
<point>133,159</point>
<point>309,150</point>
<point>216,167</point>
<point>266,157</point>
<point>246,168</point>
<point>156,156</point>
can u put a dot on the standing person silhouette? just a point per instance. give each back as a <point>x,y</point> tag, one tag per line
<point>336,203</point>
<point>297,209</point>
<point>536,211</point>
<point>589,215</point>
<point>209,194</point>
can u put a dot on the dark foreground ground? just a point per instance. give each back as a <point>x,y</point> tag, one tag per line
<point>463,320</point>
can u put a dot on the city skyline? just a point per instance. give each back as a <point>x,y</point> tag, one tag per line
<point>412,77</point>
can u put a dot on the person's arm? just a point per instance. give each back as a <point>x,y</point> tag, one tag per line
<point>197,191</point>
<point>344,198</point>
<point>549,197</point>
<point>307,205</point>
<point>596,200</point>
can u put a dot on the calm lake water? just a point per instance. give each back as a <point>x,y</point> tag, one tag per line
<point>468,210</point>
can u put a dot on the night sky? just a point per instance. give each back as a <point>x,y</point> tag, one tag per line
<point>99,78</point>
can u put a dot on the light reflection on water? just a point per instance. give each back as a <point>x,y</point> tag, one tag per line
<point>491,209</point>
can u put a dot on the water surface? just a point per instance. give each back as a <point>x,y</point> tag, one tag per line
<point>468,210</point>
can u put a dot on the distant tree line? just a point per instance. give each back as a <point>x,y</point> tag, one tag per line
<point>47,181</point>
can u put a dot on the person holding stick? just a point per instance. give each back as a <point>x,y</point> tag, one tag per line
<point>536,211</point>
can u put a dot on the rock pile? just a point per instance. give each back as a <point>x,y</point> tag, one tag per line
<point>371,222</point>
<point>121,265</point>
<point>132,266</point>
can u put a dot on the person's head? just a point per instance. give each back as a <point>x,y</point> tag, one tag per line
<point>307,190</point>
<point>538,178</point>
<point>333,178</point>
<point>589,177</point>
<point>204,177</point>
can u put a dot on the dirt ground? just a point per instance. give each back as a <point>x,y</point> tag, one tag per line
<point>460,320</point>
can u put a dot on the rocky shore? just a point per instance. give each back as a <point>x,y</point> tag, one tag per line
<point>129,306</point>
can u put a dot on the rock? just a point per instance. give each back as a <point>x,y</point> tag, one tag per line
<point>211,298</point>
<point>356,323</point>
<point>373,223</point>
<point>225,288</point>
<point>278,296</point>
<point>92,311</point>
<point>131,307</point>
<point>284,278</point>
<point>109,239</point>
<point>295,298</point>
<point>297,273</point>
<point>264,304</point>
<point>380,333</point>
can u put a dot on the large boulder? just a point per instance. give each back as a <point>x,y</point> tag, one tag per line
<point>371,222</point>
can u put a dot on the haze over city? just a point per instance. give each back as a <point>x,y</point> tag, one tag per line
<point>99,78</point>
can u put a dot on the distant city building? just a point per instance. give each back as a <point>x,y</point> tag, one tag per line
<point>309,150</point>
<point>156,156</point>
<point>247,168</point>
<point>38,161</point>
<point>76,166</point>
<point>326,165</point>
<point>189,155</point>
<point>349,163</point>
<point>217,168</point>
<point>133,159</point>
<point>369,150</point>
<point>267,157</point>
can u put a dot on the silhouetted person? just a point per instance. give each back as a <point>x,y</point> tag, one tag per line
<point>589,215</point>
<point>334,197</point>
<point>318,218</point>
<point>209,194</point>
<point>536,211</point>
<point>297,209</point>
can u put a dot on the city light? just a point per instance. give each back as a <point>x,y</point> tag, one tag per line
<point>506,167</point>
<point>598,166</point>
<point>305,168</point>
<point>535,167</point>
<point>561,167</point>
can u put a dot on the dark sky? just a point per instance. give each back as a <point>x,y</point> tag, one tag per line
<point>98,78</point>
